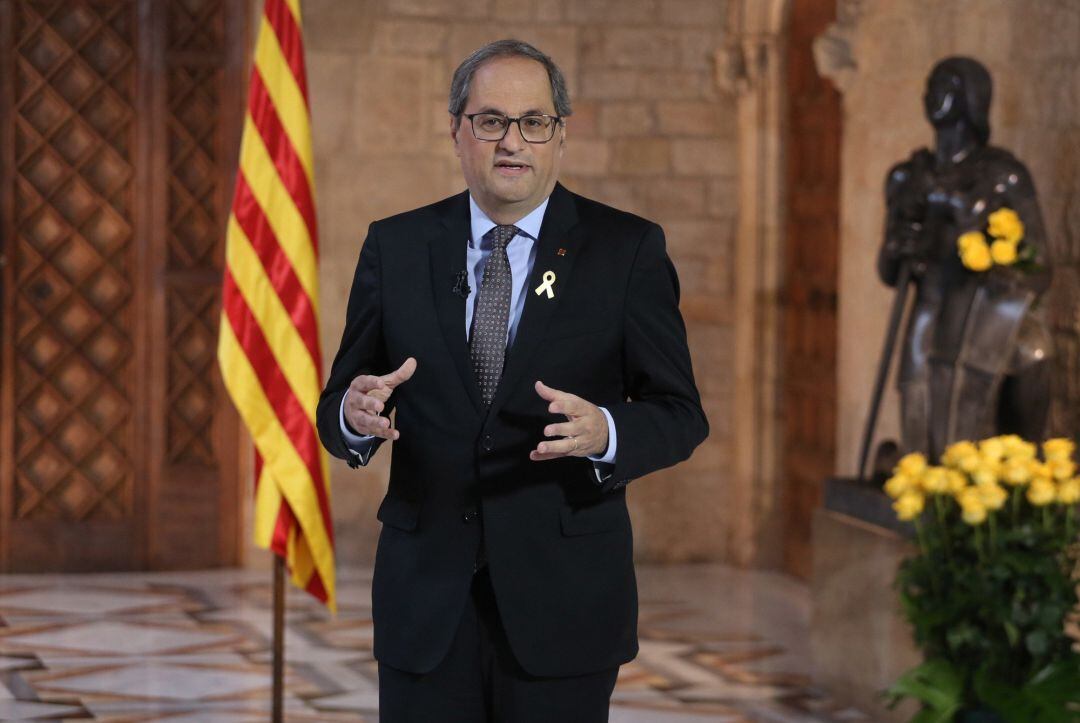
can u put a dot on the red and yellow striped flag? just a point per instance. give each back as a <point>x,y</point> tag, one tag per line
<point>268,347</point>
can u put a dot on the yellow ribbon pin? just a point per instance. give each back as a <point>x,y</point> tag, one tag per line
<point>549,279</point>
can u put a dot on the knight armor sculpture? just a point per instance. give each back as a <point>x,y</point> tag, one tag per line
<point>975,356</point>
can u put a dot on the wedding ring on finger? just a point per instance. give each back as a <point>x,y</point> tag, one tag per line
<point>575,444</point>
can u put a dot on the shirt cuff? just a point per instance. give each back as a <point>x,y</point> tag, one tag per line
<point>605,465</point>
<point>612,441</point>
<point>361,445</point>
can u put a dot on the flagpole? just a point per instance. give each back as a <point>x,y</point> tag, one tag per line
<point>279,639</point>
<point>272,226</point>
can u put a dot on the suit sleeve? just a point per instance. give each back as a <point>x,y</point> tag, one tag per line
<point>662,421</point>
<point>362,350</point>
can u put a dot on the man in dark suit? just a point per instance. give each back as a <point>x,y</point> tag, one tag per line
<point>531,343</point>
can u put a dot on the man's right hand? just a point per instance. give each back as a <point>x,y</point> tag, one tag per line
<point>367,397</point>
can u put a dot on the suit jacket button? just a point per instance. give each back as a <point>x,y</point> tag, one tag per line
<point>488,443</point>
<point>469,516</point>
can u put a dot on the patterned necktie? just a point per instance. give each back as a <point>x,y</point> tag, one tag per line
<point>487,344</point>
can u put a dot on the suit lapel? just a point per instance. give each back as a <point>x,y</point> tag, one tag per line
<point>556,253</point>
<point>448,260</point>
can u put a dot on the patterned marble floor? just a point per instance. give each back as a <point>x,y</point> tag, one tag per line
<point>716,645</point>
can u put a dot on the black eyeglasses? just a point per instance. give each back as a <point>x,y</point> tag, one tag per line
<point>534,128</point>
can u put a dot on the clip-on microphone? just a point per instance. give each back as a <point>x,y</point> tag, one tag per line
<point>461,284</point>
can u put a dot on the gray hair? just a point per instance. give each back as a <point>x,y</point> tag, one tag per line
<point>509,48</point>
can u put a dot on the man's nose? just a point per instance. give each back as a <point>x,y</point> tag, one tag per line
<point>513,141</point>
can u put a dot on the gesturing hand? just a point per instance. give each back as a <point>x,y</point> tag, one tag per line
<point>367,397</point>
<point>584,434</point>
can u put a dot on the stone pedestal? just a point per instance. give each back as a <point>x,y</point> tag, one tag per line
<point>859,641</point>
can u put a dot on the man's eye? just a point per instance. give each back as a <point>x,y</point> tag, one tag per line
<point>491,123</point>
<point>533,122</point>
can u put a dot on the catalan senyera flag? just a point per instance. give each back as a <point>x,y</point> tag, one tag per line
<point>268,346</point>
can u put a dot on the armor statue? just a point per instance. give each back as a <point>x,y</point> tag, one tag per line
<point>975,356</point>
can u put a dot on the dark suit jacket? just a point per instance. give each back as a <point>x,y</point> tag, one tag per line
<point>558,543</point>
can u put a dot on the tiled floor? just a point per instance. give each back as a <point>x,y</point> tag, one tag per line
<point>716,645</point>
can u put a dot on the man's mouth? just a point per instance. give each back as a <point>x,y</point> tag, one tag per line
<point>511,168</point>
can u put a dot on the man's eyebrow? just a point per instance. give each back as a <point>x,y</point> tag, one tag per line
<point>498,111</point>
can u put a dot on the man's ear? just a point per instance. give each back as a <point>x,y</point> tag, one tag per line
<point>455,126</point>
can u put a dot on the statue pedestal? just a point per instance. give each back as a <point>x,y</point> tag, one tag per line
<point>859,641</point>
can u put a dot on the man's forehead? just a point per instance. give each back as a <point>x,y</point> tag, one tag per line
<point>520,82</point>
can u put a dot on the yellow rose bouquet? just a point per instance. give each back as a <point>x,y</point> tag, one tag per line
<point>994,581</point>
<point>999,244</point>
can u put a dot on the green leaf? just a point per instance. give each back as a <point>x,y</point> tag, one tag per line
<point>1057,683</point>
<point>1051,616</point>
<point>961,635</point>
<point>1037,642</point>
<point>1045,698</point>
<point>937,684</point>
<point>1012,633</point>
<point>930,715</point>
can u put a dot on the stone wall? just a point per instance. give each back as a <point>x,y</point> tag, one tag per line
<point>1031,47</point>
<point>650,134</point>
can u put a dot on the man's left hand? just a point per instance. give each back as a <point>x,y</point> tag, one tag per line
<point>584,434</point>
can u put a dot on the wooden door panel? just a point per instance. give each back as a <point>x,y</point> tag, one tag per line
<point>69,298</point>
<point>117,148</point>
<point>810,282</point>
<point>196,506</point>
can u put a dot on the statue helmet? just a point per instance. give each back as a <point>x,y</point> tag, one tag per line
<point>978,87</point>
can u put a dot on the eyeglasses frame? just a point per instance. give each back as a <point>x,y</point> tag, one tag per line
<point>511,121</point>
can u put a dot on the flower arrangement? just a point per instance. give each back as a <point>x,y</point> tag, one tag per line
<point>993,585</point>
<point>1006,232</point>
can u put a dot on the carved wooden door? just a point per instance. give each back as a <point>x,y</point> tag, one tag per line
<point>118,137</point>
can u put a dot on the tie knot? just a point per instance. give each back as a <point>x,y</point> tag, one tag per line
<point>501,235</point>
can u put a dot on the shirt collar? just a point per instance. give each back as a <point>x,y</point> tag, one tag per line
<point>481,224</point>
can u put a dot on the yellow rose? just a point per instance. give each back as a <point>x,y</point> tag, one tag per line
<point>1006,225</point>
<point>1041,492</point>
<point>909,506</point>
<point>1068,492</point>
<point>977,256</point>
<point>1016,471</point>
<point>973,510</point>
<point>970,239</point>
<point>1058,448</point>
<point>1003,253</point>
<point>912,464</point>
<point>993,448</point>
<point>1039,470</point>
<point>957,481</point>
<point>1011,442</point>
<point>935,480</point>
<point>1061,468</point>
<point>986,473</point>
<point>898,484</point>
<point>958,451</point>
<point>1017,448</point>
<point>974,514</point>
<point>993,496</point>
